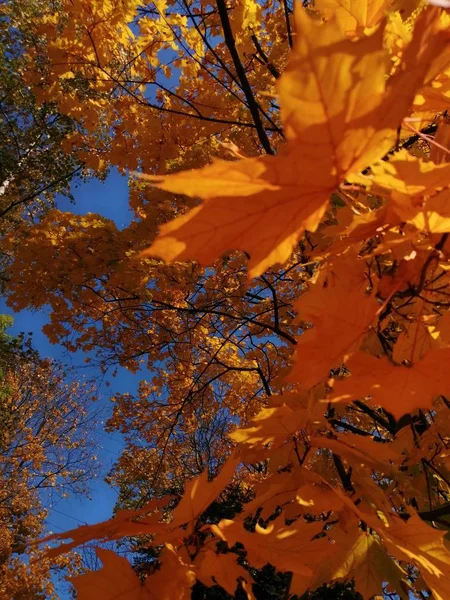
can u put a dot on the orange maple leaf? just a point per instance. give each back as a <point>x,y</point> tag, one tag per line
<point>418,190</point>
<point>353,17</point>
<point>294,547</point>
<point>116,580</point>
<point>200,492</point>
<point>341,312</point>
<point>220,569</point>
<point>358,450</point>
<point>121,525</point>
<point>418,543</point>
<point>339,116</point>
<point>397,388</point>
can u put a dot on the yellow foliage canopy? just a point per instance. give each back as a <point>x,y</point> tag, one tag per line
<point>303,374</point>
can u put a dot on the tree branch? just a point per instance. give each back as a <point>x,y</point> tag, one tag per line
<point>246,88</point>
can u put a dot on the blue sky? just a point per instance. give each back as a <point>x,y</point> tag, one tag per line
<point>110,199</point>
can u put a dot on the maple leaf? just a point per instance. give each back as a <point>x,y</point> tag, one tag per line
<point>418,190</point>
<point>116,580</point>
<point>313,499</point>
<point>413,343</point>
<point>270,426</point>
<point>432,214</point>
<point>419,543</point>
<point>349,123</point>
<point>263,210</point>
<point>397,388</point>
<point>277,490</point>
<point>336,329</point>
<point>200,492</point>
<point>362,557</point>
<point>175,577</point>
<point>408,175</point>
<point>440,149</point>
<point>358,450</point>
<point>198,496</point>
<point>293,546</point>
<point>220,569</point>
<point>333,91</point>
<point>326,95</point>
<point>123,524</point>
<point>353,17</point>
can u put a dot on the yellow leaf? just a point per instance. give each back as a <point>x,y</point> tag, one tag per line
<point>339,116</point>
<point>123,524</point>
<point>440,149</point>
<point>270,426</point>
<point>263,209</point>
<point>418,190</point>
<point>334,91</point>
<point>364,559</point>
<point>418,543</point>
<point>353,17</point>
<point>406,174</point>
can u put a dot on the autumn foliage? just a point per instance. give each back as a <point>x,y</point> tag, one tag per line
<point>46,450</point>
<point>285,282</point>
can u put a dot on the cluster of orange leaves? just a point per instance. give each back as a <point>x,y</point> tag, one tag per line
<point>355,88</point>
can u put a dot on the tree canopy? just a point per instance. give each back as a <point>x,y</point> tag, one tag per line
<point>283,287</point>
<point>46,451</point>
